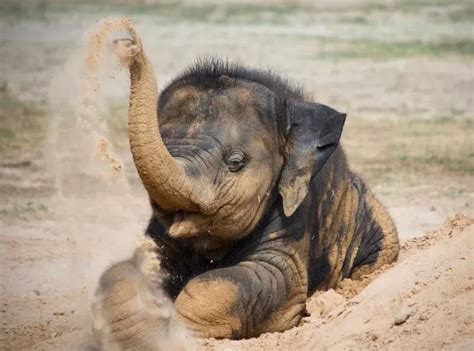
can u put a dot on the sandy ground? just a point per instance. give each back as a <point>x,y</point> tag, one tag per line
<point>403,73</point>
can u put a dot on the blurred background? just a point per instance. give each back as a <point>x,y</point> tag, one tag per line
<point>402,70</point>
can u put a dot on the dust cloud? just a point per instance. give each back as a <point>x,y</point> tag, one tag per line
<point>79,135</point>
<point>90,178</point>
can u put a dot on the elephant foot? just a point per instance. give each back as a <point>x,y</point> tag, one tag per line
<point>130,311</point>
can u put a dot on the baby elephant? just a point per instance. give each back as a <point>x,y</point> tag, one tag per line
<point>254,207</point>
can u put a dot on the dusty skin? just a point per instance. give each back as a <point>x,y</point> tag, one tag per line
<point>65,215</point>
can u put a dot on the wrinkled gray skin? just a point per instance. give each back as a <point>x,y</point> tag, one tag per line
<point>275,214</point>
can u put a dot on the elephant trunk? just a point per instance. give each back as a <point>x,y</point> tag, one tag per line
<point>163,177</point>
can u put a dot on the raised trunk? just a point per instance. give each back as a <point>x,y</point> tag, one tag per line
<point>163,177</point>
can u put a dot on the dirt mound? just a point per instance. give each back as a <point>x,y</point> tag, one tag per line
<point>419,303</point>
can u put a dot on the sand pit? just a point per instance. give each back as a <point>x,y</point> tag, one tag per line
<point>420,302</point>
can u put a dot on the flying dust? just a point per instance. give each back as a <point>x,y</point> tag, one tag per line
<point>77,90</point>
<point>89,175</point>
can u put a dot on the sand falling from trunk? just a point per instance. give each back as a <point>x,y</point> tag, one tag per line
<point>92,90</point>
<point>78,131</point>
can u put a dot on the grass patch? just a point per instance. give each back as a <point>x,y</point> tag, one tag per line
<point>24,212</point>
<point>399,150</point>
<point>217,13</point>
<point>203,12</point>
<point>222,12</point>
<point>12,11</point>
<point>383,51</point>
<point>5,135</point>
<point>23,125</point>
<point>464,14</point>
<point>10,104</point>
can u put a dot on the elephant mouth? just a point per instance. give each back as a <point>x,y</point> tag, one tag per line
<point>193,229</point>
<point>210,247</point>
<point>189,225</point>
<point>206,242</point>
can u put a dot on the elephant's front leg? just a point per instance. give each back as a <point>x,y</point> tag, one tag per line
<point>130,309</point>
<point>265,294</point>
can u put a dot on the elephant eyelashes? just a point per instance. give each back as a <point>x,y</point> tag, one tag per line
<point>236,160</point>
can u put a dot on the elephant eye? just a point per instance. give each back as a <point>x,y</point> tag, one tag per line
<point>236,160</point>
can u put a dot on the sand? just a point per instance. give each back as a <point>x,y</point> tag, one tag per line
<point>423,301</point>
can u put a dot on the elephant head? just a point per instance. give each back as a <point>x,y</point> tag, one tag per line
<point>222,144</point>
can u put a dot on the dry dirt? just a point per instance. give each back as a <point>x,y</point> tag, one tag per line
<point>404,74</point>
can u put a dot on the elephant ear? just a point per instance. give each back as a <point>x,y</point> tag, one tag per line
<point>313,134</point>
